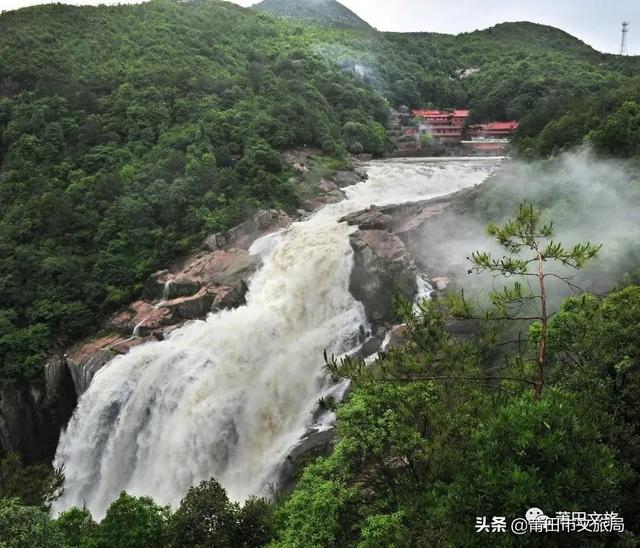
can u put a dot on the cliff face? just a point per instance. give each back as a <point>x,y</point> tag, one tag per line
<point>215,277</point>
<point>32,414</point>
<point>386,246</point>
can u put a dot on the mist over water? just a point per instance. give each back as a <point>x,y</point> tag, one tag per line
<point>230,396</point>
<point>586,198</point>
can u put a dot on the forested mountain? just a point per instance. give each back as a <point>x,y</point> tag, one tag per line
<point>325,12</point>
<point>129,133</point>
<point>116,121</point>
<point>120,131</point>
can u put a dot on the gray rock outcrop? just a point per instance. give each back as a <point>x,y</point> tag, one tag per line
<point>382,267</point>
<point>32,413</point>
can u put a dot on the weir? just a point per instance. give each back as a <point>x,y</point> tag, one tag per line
<point>230,396</point>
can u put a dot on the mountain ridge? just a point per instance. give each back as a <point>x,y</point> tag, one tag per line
<point>317,11</point>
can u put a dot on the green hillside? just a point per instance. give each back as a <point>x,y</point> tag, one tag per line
<point>127,133</point>
<point>326,12</point>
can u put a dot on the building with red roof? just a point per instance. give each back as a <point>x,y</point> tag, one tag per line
<point>444,125</point>
<point>493,130</point>
<point>492,137</point>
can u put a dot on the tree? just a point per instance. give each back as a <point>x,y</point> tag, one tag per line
<point>132,522</point>
<point>206,517</point>
<point>367,136</point>
<point>594,351</point>
<point>77,528</point>
<point>527,233</point>
<point>26,526</point>
<point>34,485</point>
<point>256,524</point>
<point>620,133</point>
<point>549,454</point>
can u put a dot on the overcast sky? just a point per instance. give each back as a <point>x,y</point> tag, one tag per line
<point>597,22</point>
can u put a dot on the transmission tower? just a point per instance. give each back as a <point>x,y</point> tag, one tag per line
<point>623,42</point>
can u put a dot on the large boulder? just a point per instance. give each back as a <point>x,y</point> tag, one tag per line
<point>328,186</point>
<point>247,232</point>
<point>399,337</point>
<point>382,268</point>
<point>462,329</point>
<point>86,358</point>
<point>315,443</point>
<point>220,268</point>
<point>347,178</point>
<point>203,283</point>
<point>141,318</point>
<point>190,308</point>
<point>230,296</point>
<point>372,218</point>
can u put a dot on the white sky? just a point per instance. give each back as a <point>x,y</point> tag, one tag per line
<point>597,22</point>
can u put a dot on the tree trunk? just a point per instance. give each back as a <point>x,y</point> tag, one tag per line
<point>542,351</point>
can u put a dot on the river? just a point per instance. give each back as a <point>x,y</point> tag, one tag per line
<point>230,396</point>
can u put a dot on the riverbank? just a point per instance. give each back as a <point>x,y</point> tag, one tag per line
<point>240,389</point>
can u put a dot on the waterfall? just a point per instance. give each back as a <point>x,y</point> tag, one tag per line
<point>230,396</point>
<point>136,329</point>
<point>425,290</point>
<point>166,290</point>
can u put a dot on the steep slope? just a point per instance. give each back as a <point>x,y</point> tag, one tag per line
<point>128,133</point>
<point>537,37</point>
<point>327,12</point>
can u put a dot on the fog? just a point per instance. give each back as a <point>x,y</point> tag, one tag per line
<point>587,199</point>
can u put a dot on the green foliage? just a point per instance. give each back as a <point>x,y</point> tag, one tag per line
<point>594,349</point>
<point>21,349</point>
<point>428,440</point>
<point>360,137</point>
<point>207,517</point>
<point>116,158</point>
<point>545,454</point>
<point>325,12</point>
<point>133,522</point>
<point>26,527</point>
<point>608,121</point>
<point>620,133</point>
<point>527,232</point>
<point>129,133</point>
<point>318,512</point>
<point>384,530</point>
<point>256,523</point>
<point>33,485</point>
<point>77,528</point>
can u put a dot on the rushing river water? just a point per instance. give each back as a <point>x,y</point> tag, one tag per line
<point>230,396</point>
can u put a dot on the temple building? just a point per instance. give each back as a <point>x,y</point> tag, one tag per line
<point>492,137</point>
<point>448,129</point>
<point>445,126</point>
<point>493,130</point>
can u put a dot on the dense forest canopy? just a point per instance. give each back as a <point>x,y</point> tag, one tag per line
<point>327,12</point>
<point>121,129</point>
<point>129,133</point>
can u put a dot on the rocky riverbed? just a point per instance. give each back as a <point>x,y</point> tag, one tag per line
<point>386,259</point>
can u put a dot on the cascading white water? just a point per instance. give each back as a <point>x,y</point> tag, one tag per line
<point>136,329</point>
<point>165,291</point>
<point>230,396</point>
